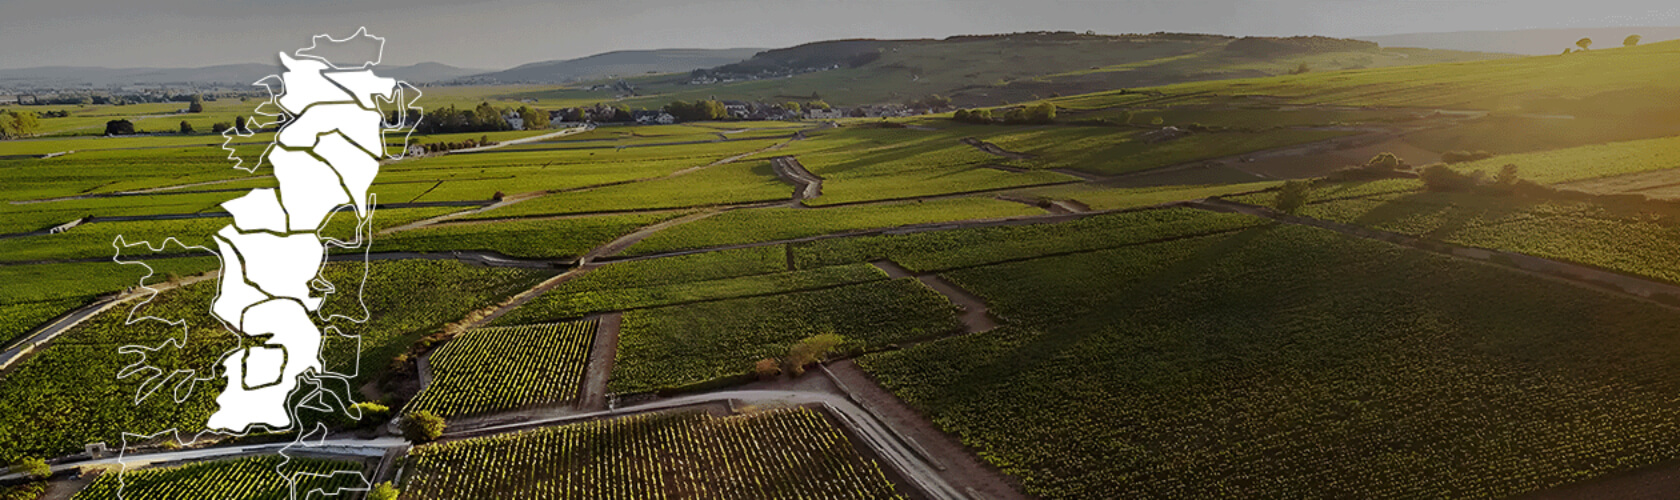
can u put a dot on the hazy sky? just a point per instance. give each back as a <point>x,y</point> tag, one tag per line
<point>496,34</point>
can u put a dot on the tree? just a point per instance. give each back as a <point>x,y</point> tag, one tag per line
<point>15,124</point>
<point>219,127</point>
<point>1293,195</point>
<point>8,123</point>
<point>1385,161</point>
<point>119,127</point>
<point>817,104</point>
<point>535,119</point>
<point>792,107</point>
<point>1632,40</point>
<point>1042,113</point>
<point>186,128</point>
<point>812,349</point>
<point>385,491</point>
<point>422,426</point>
<point>239,125</point>
<point>32,468</point>
<point>767,369</point>
<point>197,105</point>
<point>1301,70</point>
<point>1584,43</point>
<point>1507,175</point>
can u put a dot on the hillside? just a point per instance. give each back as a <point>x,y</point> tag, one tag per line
<point>1527,42</point>
<point>228,74</point>
<point>997,69</point>
<point>618,63</point>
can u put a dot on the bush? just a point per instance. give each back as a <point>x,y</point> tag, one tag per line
<point>1453,157</point>
<point>186,128</point>
<point>119,127</point>
<point>1507,175</point>
<point>220,127</point>
<point>1385,161</point>
<point>32,468</point>
<point>1440,177</point>
<point>422,426</point>
<point>767,369</point>
<point>385,491</point>
<point>981,116</point>
<point>1293,195</point>
<point>813,349</point>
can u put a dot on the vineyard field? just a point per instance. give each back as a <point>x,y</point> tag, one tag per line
<point>1208,358</point>
<point>255,478</point>
<point>78,370</point>
<point>542,239</point>
<point>942,250</point>
<point>502,368</point>
<point>660,348</point>
<point>793,453</point>
<point>559,304</point>
<point>770,224</point>
<point>747,182</point>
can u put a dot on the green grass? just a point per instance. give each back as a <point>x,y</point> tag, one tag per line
<point>1126,373</point>
<point>253,478</point>
<point>493,369</point>
<point>770,224</point>
<point>536,238</point>
<point>787,453</point>
<point>879,164</point>
<point>79,370</point>
<point>675,346</point>
<point>568,302</point>
<point>747,182</point>
<point>943,250</point>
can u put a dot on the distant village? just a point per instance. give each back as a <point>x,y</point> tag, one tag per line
<point>737,110</point>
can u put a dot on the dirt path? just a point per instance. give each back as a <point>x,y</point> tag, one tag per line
<point>601,355</point>
<point>994,149</point>
<point>961,466</point>
<point>622,242</point>
<point>975,316</point>
<point>806,185</point>
<point>1585,276</point>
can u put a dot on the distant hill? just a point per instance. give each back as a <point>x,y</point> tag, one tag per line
<point>230,74</point>
<point>1527,42</point>
<point>976,70</point>
<point>623,63</point>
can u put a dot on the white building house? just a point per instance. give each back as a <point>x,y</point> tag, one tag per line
<point>824,114</point>
<point>514,120</point>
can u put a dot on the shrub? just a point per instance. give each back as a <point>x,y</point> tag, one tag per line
<point>1385,161</point>
<point>812,349</point>
<point>32,468</point>
<point>767,369</point>
<point>220,127</point>
<point>422,426</point>
<point>1631,40</point>
<point>1440,177</point>
<point>186,128</point>
<point>119,127</point>
<point>1507,175</point>
<point>1294,195</point>
<point>385,491</point>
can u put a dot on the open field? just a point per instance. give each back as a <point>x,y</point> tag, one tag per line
<point>1348,356</point>
<point>776,454</point>
<point>490,369</point>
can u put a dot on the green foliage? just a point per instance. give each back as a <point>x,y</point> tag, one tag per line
<point>1385,161</point>
<point>743,182</point>
<point>787,453</point>
<point>491,369</point>
<point>32,468</point>
<point>549,239</point>
<point>253,478</point>
<point>813,349</point>
<point>15,124</point>
<point>1444,178</point>
<point>384,491</point>
<point>1205,358</point>
<point>119,127</point>
<point>535,119</point>
<point>701,110</point>
<point>1632,41</point>
<point>25,491</point>
<point>657,347</point>
<point>1293,195</point>
<point>422,426</point>
<point>575,298</point>
<point>1584,43</point>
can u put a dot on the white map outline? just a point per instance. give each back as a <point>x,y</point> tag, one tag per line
<point>312,384</point>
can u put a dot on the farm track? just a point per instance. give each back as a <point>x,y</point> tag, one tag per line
<point>994,149</point>
<point>806,185</point>
<point>602,351</point>
<point>976,317</point>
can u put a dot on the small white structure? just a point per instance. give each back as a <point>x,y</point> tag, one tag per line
<point>514,120</point>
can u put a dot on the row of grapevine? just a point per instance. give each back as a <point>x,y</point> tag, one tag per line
<point>795,453</point>
<point>255,478</point>
<point>500,368</point>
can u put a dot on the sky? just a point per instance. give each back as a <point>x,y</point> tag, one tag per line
<point>497,34</point>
